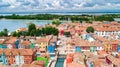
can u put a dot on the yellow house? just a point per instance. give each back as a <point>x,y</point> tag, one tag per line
<point>42,44</point>
<point>107,47</point>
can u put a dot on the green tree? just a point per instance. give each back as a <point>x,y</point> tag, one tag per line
<point>67,34</point>
<point>14,34</point>
<point>5,31</point>
<point>50,30</point>
<point>56,22</point>
<point>33,33</point>
<point>1,34</point>
<point>38,32</point>
<point>90,30</point>
<point>31,27</point>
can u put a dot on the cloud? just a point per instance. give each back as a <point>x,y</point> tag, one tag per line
<point>39,5</point>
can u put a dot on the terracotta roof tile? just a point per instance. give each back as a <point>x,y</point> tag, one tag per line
<point>42,40</point>
<point>31,65</point>
<point>10,40</point>
<point>1,41</point>
<point>18,51</point>
<point>26,52</point>
<point>25,43</point>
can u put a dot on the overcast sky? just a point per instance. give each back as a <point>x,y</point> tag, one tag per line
<point>59,5</point>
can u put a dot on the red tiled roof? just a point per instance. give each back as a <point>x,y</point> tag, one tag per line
<point>18,51</point>
<point>42,40</point>
<point>25,43</point>
<point>10,40</point>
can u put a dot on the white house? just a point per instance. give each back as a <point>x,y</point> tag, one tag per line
<point>107,29</point>
<point>19,59</point>
<point>69,48</point>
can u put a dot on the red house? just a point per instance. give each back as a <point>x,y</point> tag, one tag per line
<point>114,45</point>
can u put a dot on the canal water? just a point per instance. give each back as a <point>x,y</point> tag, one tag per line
<point>60,62</point>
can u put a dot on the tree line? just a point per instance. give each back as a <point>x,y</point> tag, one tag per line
<point>107,17</point>
<point>32,31</point>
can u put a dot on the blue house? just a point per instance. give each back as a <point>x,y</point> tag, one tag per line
<point>3,59</point>
<point>78,49</point>
<point>4,46</point>
<point>0,46</point>
<point>51,48</point>
<point>119,36</point>
<point>89,37</point>
<point>91,64</point>
<point>17,43</point>
<point>52,45</point>
<point>118,48</point>
<point>32,46</point>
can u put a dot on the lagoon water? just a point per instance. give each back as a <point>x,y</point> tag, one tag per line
<point>12,25</point>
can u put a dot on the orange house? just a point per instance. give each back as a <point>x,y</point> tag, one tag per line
<point>13,56</point>
<point>11,53</point>
<point>115,45</point>
<point>28,55</point>
<point>69,59</point>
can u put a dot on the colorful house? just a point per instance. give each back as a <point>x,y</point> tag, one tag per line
<point>4,46</point>
<point>46,60</point>
<point>96,46</point>
<point>24,56</point>
<point>92,48</point>
<point>51,48</point>
<point>91,64</point>
<point>10,53</point>
<point>1,44</point>
<point>18,56</point>
<point>24,44</point>
<point>89,37</point>
<point>32,46</point>
<point>10,42</point>
<point>28,55</point>
<point>70,48</point>
<point>3,58</point>
<point>118,48</point>
<point>17,43</point>
<point>19,59</point>
<point>42,45</point>
<point>52,45</point>
<point>69,59</point>
<point>114,45</point>
<point>78,49</point>
<point>107,47</point>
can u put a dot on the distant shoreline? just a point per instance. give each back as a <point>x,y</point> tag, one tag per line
<point>57,13</point>
<point>83,17</point>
